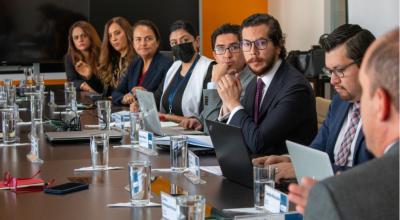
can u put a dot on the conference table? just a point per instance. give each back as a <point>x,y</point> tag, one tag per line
<point>105,187</point>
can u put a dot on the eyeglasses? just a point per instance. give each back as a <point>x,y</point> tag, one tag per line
<point>260,44</point>
<point>339,72</point>
<point>233,48</point>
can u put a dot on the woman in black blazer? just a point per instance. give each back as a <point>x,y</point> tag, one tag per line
<point>81,59</point>
<point>148,69</point>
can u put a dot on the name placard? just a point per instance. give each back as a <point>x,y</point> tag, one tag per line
<point>169,208</point>
<point>275,201</point>
<point>146,139</point>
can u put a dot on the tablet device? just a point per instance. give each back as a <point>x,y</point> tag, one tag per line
<point>309,162</point>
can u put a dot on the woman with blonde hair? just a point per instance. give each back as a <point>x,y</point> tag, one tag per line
<point>81,59</point>
<point>116,53</point>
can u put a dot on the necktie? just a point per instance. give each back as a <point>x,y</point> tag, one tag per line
<point>341,158</point>
<point>257,101</point>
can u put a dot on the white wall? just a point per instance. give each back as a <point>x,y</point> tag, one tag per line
<point>377,16</point>
<point>303,21</point>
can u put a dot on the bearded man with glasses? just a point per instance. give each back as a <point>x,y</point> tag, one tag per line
<point>279,103</point>
<point>340,135</point>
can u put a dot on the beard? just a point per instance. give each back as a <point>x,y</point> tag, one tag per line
<point>270,61</point>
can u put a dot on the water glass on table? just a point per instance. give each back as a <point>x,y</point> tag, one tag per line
<point>191,207</point>
<point>136,123</point>
<point>70,96</point>
<point>104,114</point>
<point>179,153</point>
<point>37,105</point>
<point>99,147</point>
<point>140,182</point>
<point>9,125</point>
<point>263,175</point>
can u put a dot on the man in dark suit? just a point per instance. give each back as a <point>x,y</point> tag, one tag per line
<point>340,135</point>
<point>371,190</point>
<point>279,103</point>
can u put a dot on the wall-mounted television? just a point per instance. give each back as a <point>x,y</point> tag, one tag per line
<point>37,30</point>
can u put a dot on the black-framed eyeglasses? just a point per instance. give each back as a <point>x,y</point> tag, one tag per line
<point>233,48</point>
<point>339,72</point>
<point>260,44</point>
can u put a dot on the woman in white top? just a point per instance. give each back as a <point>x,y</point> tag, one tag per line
<point>181,91</point>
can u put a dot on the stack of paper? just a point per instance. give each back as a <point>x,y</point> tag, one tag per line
<point>196,140</point>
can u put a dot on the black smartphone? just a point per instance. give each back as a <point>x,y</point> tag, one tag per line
<point>66,188</point>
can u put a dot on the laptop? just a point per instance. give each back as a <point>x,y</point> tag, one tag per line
<point>84,135</point>
<point>151,119</point>
<point>309,162</point>
<point>233,156</point>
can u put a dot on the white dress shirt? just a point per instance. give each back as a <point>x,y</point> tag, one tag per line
<point>267,79</point>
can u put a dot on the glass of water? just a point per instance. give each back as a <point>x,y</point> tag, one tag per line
<point>104,114</point>
<point>263,175</point>
<point>179,153</point>
<point>136,122</point>
<point>140,182</point>
<point>70,95</point>
<point>191,207</point>
<point>99,147</point>
<point>9,125</point>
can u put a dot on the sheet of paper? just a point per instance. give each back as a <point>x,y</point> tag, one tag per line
<point>165,124</point>
<point>250,210</point>
<point>216,170</point>
<point>91,168</point>
<point>200,140</point>
<point>128,204</point>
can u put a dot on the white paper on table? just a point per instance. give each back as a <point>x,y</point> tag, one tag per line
<point>167,170</point>
<point>162,140</point>
<point>14,144</point>
<point>97,169</point>
<point>196,140</point>
<point>250,210</point>
<point>128,204</point>
<point>127,124</point>
<point>129,146</point>
<point>200,140</point>
<point>165,124</point>
<point>216,170</point>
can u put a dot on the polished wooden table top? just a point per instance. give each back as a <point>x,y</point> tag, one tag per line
<point>60,160</point>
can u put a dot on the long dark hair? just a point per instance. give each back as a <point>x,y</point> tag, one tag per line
<point>109,56</point>
<point>94,48</point>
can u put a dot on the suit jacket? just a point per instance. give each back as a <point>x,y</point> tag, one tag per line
<point>368,191</point>
<point>155,74</point>
<point>329,131</point>
<point>212,102</point>
<point>77,79</point>
<point>287,113</point>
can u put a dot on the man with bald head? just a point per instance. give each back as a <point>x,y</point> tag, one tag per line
<point>371,190</point>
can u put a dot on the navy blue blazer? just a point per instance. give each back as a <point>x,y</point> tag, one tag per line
<point>154,77</point>
<point>329,131</point>
<point>287,113</point>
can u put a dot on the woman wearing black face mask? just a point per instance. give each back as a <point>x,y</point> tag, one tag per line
<point>181,92</point>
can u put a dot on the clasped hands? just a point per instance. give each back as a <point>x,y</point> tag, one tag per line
<point>229,90</point>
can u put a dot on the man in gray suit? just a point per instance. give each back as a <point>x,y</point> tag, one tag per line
<point>230,60</point>
<point>371,190</point>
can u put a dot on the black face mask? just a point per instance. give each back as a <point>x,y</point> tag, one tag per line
<point>183,52</point>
